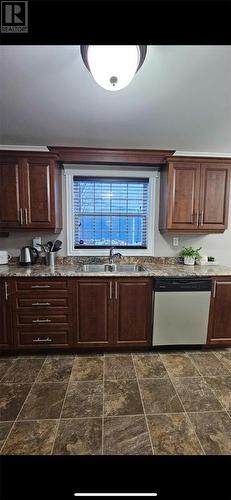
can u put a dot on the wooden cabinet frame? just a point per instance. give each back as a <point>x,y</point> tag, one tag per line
<point>194,195</point>
<point>220,312</point>
<point>34,192</point>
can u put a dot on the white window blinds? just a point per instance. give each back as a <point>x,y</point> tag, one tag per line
<point>110,212</point>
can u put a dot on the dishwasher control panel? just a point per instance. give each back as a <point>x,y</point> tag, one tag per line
<point>183,284</point>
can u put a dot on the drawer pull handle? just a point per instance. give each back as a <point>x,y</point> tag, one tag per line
<point>42,340</point>
<point>41,304</point>
<point>41,320</point>
<point>40,286</point>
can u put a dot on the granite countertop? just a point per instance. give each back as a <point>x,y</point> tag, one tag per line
<point>158,270</point>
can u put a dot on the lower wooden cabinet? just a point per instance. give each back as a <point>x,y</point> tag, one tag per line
<point>5,317</point>
<point>114,312</point>
<point>219,332</point>
<point>53,313</point>
<point>94,312</point>
<point>133,312</point>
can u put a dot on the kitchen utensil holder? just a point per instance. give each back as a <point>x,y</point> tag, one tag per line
<point>50,258</point>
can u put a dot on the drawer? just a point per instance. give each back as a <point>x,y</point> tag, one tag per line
<point>41,285</point>
<point>47,339</point>
<point>46,303</point>
<point>43,319</point>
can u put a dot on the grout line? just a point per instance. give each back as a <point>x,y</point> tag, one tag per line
<point>16,419</point>
<point>145,416</point>
<point>61,411</point>
<point>185,412</point>
<point>223,364</point>
<point>30,390</point>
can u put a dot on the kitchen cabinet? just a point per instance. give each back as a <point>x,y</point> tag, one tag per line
<point>5,325</point>
<point>194,196</point>
<point>42,313</point>
<point>114,312</point>
<point>30,193</point>
<point>219,331</point>
<point>133,311</point>
<point>94,309</point>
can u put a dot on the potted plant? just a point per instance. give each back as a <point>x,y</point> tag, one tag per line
<point>190,254</point>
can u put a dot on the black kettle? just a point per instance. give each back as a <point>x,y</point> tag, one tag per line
<point>28,256</point>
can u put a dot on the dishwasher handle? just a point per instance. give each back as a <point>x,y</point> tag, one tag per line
<point>183,285</point>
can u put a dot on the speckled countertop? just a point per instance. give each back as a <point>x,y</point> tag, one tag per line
<point>66,270</point>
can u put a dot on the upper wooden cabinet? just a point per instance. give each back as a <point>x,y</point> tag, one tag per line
<point>30,190</point>
<point>194,196</point>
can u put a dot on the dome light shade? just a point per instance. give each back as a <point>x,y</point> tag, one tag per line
<point>113,66</point>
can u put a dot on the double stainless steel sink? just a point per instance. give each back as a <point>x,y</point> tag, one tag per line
<point>115,268</point>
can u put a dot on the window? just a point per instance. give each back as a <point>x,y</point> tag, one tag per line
<point>110,212</point>
<point>110,206</point>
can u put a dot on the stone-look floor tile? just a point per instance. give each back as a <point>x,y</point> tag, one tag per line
<point>149,366</point>
<point>23,370</point>
<point>83,399</point>
<point>88,368</point>
<point>208,364</point>
<point>12,397</point>
<point>126,436</point>
<point>79,437</point>
<point>56,369</point>
<point>5,364</point>
<point>44,401</point>
<point>179,365</point>
<point>195,394</point>
<point>122,397</point>
<point>225,358</point>
<point>172,434</point>
<point>159,396</point>
<point>214,432</point>
<point>118,367</point>
<point>4,431</point>
<point>222,388</point>
<point>31,438</point>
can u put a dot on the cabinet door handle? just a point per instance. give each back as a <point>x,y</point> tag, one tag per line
<point>197,217</point>
<point>214,288</point>
<point>40,286</point>
<point>21,216</point>
<point>41,320</point>
<point>116,290</point>
<point>110,290</point>
<point>6,290</point>
<point>41,304</point>
<point>201,218</point>
<point>42,340</point>
<point>26,215</point>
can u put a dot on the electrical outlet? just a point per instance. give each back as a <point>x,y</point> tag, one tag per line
<point>36,242</point>
<point>175,242</point>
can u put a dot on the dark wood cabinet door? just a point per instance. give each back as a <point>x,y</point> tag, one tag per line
<point>184,190</point>
<point>39,209</point>
<point>11,195</point>
<point>214,196</point>
<point>133,312</point>
<point>5,330</point>
<point>220,313</point>
<point>94,312</point>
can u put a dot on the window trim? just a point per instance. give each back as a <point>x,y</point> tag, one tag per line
<point>82,171</point>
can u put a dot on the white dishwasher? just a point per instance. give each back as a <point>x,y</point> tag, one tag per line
<point>181,311</point>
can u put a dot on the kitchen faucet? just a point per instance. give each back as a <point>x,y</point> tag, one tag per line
<point>113,255</point>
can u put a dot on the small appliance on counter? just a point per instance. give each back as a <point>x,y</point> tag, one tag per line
<point>28,256</point>
<point>4,257</point>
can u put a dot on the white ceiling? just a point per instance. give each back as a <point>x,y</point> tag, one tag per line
<point>180,99</point>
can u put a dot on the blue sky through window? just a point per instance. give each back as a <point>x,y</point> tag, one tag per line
<point>110,212</point>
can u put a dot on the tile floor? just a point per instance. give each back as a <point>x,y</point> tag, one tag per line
<point>165,403</point>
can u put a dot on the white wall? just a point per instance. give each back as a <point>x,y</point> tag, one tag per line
<point>218,245</point>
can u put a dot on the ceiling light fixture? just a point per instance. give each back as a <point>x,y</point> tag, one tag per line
<point>113,66</point>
